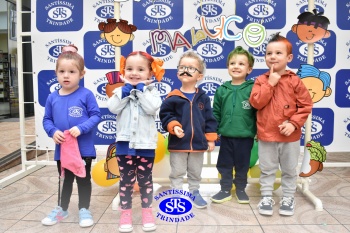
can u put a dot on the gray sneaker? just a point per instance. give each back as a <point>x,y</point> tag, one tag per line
<point>287,206</point>
<point>265,205</point>
<point>198,202</point>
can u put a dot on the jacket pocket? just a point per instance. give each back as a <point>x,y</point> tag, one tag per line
<point>289,110</point>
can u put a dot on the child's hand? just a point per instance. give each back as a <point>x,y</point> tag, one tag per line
<point>74,131</point>
<point>274,77</point>
<point>58,137</point>
<point>124,80</point>
<point>211,146</point>
<point>179,132</point>
<point>286,128</point>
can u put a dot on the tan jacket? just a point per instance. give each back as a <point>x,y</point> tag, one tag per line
<point>289,101</point>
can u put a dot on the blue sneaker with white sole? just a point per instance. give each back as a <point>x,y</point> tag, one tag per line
<point>85,218</point>
<point>56,215</point>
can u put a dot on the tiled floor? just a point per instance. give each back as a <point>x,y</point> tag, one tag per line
<point>24,203</point>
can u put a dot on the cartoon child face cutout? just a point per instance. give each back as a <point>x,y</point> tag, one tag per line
<point>311,27</point>
<point>117,33</point>
<point>316,81</point>
<point>118,38</point>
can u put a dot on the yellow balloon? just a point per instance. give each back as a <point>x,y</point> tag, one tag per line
<point>99,175</point>
<point>255,173</point>
<point>161,149</point>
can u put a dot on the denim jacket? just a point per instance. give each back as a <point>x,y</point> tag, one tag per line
<point>136,115</point>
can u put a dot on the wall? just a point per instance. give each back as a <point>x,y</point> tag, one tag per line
<point>3,42</point>
<point>55,24</point>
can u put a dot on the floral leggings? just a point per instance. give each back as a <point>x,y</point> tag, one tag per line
<point>134,168</point>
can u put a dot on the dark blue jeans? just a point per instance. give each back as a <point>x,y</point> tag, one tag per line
<point>234,153</point>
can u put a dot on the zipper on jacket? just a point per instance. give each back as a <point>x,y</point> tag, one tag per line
<point>191,107</point>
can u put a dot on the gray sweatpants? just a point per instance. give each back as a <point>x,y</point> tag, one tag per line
<point>273,154</point>
<point>182,162</point>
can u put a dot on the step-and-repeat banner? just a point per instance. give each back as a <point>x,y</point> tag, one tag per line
<point>167,28</point>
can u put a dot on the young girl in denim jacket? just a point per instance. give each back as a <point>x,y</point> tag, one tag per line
<point>136,104</point>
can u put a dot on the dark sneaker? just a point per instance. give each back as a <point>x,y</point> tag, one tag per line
<point>221,196</point>
<point>198,202</point>
<point>242,197</point>
<point>265,205</point>
<point>287,206</point>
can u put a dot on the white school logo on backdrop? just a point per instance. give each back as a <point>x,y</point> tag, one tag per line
<point>343,15</point>
<point>163,50</point>
<point>259,53</point>
<point>53,16</point>
<point>210,84</point>
<point>213,51</point>
<point>167,13</point>
<point>164,87</point>
<point>98,53</point>
<point>342,87</point>
<point>54,48</point>
<point>210,9</point>
<point>324,52</point>
<point>106,129</point>
<point>321,126</point>
<point>319,6</point>
<point>264,12</point>
<point>103,10</point>
<point>100,85</point>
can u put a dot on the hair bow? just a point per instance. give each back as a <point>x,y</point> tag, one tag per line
<point>157,69</point>
<point>122,65</point>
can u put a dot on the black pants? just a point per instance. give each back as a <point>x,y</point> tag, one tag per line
<point>234,153</point>
<point>84,186</point>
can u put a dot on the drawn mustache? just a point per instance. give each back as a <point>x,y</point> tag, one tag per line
<point>185,72</point>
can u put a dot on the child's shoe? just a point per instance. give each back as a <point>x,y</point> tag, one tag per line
<point>221,196</point>
<point>242,197</point>
<point>198,202</point>
<point>265,205</point>
<point>287,206</point>
<point>148,222</point>
<point>55,216</point>
<point>85,218</point>
<point>125,222</point>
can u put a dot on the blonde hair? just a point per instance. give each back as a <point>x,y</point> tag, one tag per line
<point>193,54</point>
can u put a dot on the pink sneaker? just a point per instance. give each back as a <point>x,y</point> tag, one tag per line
<point>148,222</point>
<point>125,222</point>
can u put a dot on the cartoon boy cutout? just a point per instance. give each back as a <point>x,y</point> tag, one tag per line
<point>316,81</point>
<point>311,27</point>
<point>117,33</point>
